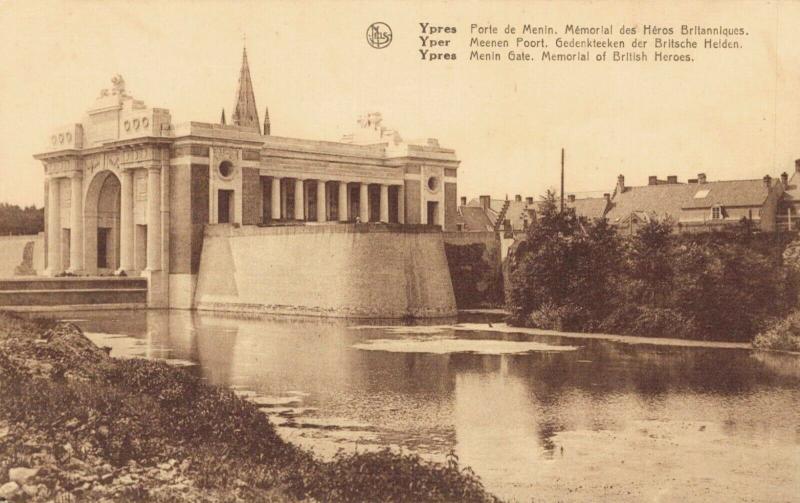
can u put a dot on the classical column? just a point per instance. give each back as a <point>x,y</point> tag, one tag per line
<point>126,221</point>
<point>401,204</point>
<point>285,188</point>
<point>276,198</point>
<point>53,227</point>
<point>153,218</point>
<point>363,203</point>
<point>299,214</point>
<point>321,206</point>
<point>384,203</point>
<point>76,222</point>
<point>165,209</point>
<point>343,209</point>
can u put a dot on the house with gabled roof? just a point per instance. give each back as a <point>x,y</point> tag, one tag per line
<point>788,215</point>
<point>474,218</point>
<point>508,215</point>
<point>514,215</point>
<point>698,205</point>
<point>589,206</point>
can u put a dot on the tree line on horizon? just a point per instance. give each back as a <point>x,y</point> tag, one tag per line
<point>17,220</point>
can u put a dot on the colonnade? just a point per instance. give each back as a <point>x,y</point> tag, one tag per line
<point>297,186</point>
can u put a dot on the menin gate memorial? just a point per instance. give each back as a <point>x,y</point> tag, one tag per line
<point>229,217</point>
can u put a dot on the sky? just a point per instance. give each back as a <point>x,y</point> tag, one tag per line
<point>732,114</point>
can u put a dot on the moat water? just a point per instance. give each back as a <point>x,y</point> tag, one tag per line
<point>537,417</point>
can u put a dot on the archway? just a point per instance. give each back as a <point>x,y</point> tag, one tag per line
<point>101,224</point>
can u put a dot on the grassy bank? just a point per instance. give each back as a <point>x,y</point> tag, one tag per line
<point>76,424</point>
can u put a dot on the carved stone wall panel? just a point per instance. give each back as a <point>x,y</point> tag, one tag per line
<point>92,163</point>
<point>226,153</point>
<point>61,167</point>
<point>112,160</point>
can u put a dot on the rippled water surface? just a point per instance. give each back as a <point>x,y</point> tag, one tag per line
<point>538,417</point>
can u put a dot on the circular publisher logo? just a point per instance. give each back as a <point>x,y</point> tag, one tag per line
<point>379,35</point>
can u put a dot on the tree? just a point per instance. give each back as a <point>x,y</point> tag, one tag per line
<point>16,220</point>
<point>728,289</point>
<point>570,273</point>
<point>647,263</point>
<point>565,262</point>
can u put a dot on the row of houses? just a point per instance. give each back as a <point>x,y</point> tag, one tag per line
<point>699,204</point>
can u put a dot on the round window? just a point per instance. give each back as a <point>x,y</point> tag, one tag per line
<point>225,169</point>
<point>433,183</point>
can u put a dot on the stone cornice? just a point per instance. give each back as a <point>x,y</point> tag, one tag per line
<point>117,145</point>
<point>208,141</point>
<point>402,161</point>
<point>58,155</point>
<point>137,142</point>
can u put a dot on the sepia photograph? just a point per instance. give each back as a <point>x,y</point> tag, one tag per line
<point>400,251</point>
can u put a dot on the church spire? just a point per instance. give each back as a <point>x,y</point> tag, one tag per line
<point>266,121</point>
<point>244,111</point>
<point>222,119</point>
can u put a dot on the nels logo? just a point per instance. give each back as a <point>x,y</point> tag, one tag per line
<point>379,35</point>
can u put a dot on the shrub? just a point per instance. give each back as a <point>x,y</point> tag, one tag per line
<point>648,321</point>
<point>387,476</point>
<point>562,318</point>
<point>781,334</point>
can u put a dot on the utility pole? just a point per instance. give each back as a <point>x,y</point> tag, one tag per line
<point>562,180</point>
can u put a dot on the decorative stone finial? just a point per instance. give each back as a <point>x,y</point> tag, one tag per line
<point>117,87</point>
<point>371,120</point>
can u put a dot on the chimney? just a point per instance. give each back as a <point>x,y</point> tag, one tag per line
<point>652,180</point>
<point>463,200</point>
<point>785,179</point>
<point>529,200</point>
<point>672,179</point>
<point>797,165</point>
<point>607,196</point>
<point>621,184</point>
<point>485,202</point>
<point>571,198</point>
<point>701,178</point>
<point>767,181</point>
<point>518,198</point>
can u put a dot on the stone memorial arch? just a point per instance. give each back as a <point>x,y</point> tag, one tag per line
<point>102,223</point>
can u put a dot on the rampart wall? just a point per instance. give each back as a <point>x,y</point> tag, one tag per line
<point>474,259</point>
<point>337,270</point>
